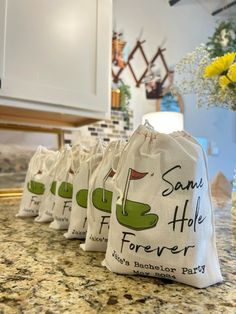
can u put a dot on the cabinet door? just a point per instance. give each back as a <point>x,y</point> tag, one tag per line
<point>56,52</point>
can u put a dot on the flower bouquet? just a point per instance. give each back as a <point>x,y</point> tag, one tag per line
<point>213,80</point>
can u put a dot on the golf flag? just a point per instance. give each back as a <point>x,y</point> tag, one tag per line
<point>111,173</point>
<point>132,175</point>
<point>135,175</point>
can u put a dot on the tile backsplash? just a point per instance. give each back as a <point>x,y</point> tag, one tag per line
<point>120,126</point>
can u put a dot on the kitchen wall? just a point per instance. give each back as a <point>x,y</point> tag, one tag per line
<point>119,126</point>
<point>179,29</point>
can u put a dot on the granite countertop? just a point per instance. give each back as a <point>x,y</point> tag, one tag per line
<point>42,272</point>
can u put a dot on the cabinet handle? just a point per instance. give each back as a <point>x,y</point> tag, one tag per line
<point>0,83</point>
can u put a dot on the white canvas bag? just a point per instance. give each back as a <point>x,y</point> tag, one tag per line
<point>35,184</point>
<point>78,152</point>
<point>162,221</point>
<point>78,222</point>
<point>50,197</point>
<point>64,190</point>
<point>100,199</point>
<point>46,206</point>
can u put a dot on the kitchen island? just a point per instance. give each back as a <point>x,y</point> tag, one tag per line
<point>42,272</point>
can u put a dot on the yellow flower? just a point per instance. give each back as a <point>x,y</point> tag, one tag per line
<point>229,78</point>
<point>224,81</point>
<point>220,65</point>
<point>232,72</point>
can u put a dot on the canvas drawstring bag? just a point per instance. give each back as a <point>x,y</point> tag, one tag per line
<point>77,152</point>
<point>35,184</point>
<point>100,199</point>
<point>64,189</point>
<point>49,203</point>
<point>162,221</point>
<point>46,206</point>
<point>89,162</point>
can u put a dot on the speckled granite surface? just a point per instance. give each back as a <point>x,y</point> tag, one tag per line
<point>42,272</point>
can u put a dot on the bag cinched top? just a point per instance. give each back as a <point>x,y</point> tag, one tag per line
<point>100,199</point>
<point>78,220</point>
<point>35,182</point>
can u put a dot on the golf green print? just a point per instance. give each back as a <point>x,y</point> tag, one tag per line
<point>102,198</point>
<point>82,198</point>
<point>53,187</point>
<point>35,187</point>
<point>65,190</point>
<point>131,214</point>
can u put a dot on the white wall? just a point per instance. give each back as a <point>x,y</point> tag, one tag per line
<point>182,28</point>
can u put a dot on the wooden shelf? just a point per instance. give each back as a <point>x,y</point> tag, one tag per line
<point>41,118</point>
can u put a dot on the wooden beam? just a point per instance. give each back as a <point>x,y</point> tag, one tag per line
<point>28,128</point>
<point>41,118</point>
<point>11,193</point>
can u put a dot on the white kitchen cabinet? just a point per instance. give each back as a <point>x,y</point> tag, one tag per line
<point>55,55</point>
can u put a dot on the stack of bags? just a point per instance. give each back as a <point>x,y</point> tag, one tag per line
<point>146,203</point>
